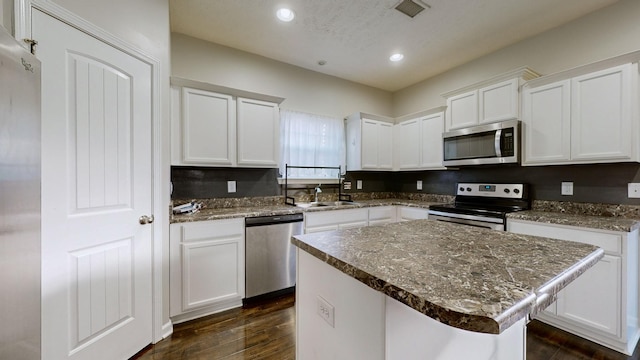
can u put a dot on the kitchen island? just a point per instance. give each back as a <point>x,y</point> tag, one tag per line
<point>426,290</point>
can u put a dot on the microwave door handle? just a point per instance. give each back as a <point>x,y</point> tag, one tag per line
<point>496,143</point>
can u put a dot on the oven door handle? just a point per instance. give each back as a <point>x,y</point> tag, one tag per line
<point>481,224</point>
<point>466,217</point>
<point>496,143</point>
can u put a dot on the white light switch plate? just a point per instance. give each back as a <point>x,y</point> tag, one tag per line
<point>634,190</point>
<point>567,188</point>
<point>359,184</point>
<point>419,185</point>
<point>231,186</point>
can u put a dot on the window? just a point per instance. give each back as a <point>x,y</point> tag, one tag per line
<point>311,140</point>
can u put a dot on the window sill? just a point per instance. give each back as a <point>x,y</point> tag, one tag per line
<point>309,181</point>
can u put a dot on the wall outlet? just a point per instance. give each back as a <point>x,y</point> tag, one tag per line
<point>326,311</point>
<point>567,188</point>
<point>347,185</point>
<point>634,190</point>
<point>231,186</point>
<point>359,184</point>
<point>419,185</point>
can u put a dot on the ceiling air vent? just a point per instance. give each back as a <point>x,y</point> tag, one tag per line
<point>411,8</point>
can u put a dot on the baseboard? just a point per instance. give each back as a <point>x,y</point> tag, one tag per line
<point>167,329</point>
<point>208,310</point>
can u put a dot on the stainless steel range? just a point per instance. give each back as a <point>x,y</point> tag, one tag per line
<point>483,204</point>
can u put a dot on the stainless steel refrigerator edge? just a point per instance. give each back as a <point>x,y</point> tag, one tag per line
<point>19,201</point>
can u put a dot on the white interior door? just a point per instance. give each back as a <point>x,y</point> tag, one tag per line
<point>96,183</point>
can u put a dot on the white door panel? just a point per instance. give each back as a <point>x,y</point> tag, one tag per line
<point>96,183</point>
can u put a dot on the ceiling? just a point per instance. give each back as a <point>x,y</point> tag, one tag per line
<point>356,37</point>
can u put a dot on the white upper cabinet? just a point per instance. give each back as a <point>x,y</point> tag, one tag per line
<point>369,143</point>
<point>258,133</point>
<point>407,145</point>
<point>582,118</point>
<point>496,99</point>
<point>208,128</point>
<point>218,126</point>
<point>462,110</point>
<point>546,112</point>
<point>431,129</point>
<point>601,115</point>
<point>498,102</point>
<point>418,142</point>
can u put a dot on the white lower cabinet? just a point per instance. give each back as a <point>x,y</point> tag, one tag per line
<point>335,220</point>
<point>406,213</point>
<point>602,304</point>
<point>206,267</point>
<point>382,215</point>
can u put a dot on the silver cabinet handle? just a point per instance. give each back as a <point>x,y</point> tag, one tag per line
<point>144,219</point>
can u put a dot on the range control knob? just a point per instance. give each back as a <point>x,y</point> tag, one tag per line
<point>517,191</point>
<point>461,188</point>
<point>468,189</point>
<point>507,191</point>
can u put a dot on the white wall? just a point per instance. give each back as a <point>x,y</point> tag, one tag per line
<point>304,90</point>
<point>606,33</point>
<point>6,14</point>
<point>144,24</point>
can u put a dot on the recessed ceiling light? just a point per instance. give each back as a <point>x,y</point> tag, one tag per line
<point>285,14</point>
<point>396,57</point>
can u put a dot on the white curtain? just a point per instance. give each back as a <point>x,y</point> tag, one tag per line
<point>311,140</point>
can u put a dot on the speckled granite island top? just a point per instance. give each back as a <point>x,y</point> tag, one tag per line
<point>470,278</point>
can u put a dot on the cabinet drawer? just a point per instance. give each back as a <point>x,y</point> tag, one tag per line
<point>611,243</point>
<point>324,218</point>
<point>202,230</point>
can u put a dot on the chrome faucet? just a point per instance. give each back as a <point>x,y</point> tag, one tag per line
<point>317,190</point>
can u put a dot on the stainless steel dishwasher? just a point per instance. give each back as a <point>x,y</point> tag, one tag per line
<point>270,258</point>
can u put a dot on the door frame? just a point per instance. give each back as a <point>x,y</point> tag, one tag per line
<point>160,205</point>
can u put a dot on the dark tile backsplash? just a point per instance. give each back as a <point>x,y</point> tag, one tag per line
<point>593,183</point>
<point>597,183</point>
<point>205,183</point>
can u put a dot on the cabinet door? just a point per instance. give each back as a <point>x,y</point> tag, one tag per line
<point>594,298</point>
<point>431,129</point>
<point>382,215</point>
<point>462,110</point>
<point>385,146</point>
<point>546,123</point>
<point>601,115</point>
<point>258,133</point>
<point>411,213</point>
<point>206,265</point>
<point>407,146</point>
<point>498,102</point>
<point>208,128</point>
<point>370,140</point>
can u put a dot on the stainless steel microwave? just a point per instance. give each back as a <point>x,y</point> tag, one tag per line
<point>495,143</point>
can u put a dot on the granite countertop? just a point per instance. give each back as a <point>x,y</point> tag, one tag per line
<point>580,220</point>
<point>270,210</point>
<point>470,278</point>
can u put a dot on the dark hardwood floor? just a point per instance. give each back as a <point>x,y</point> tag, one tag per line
<point>267,331</point>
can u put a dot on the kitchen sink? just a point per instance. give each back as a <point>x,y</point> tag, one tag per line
<point>326,203</point>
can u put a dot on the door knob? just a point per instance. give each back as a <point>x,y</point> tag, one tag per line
<point>144,219</point>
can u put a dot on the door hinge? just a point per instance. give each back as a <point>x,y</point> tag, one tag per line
<point>32,45</point>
